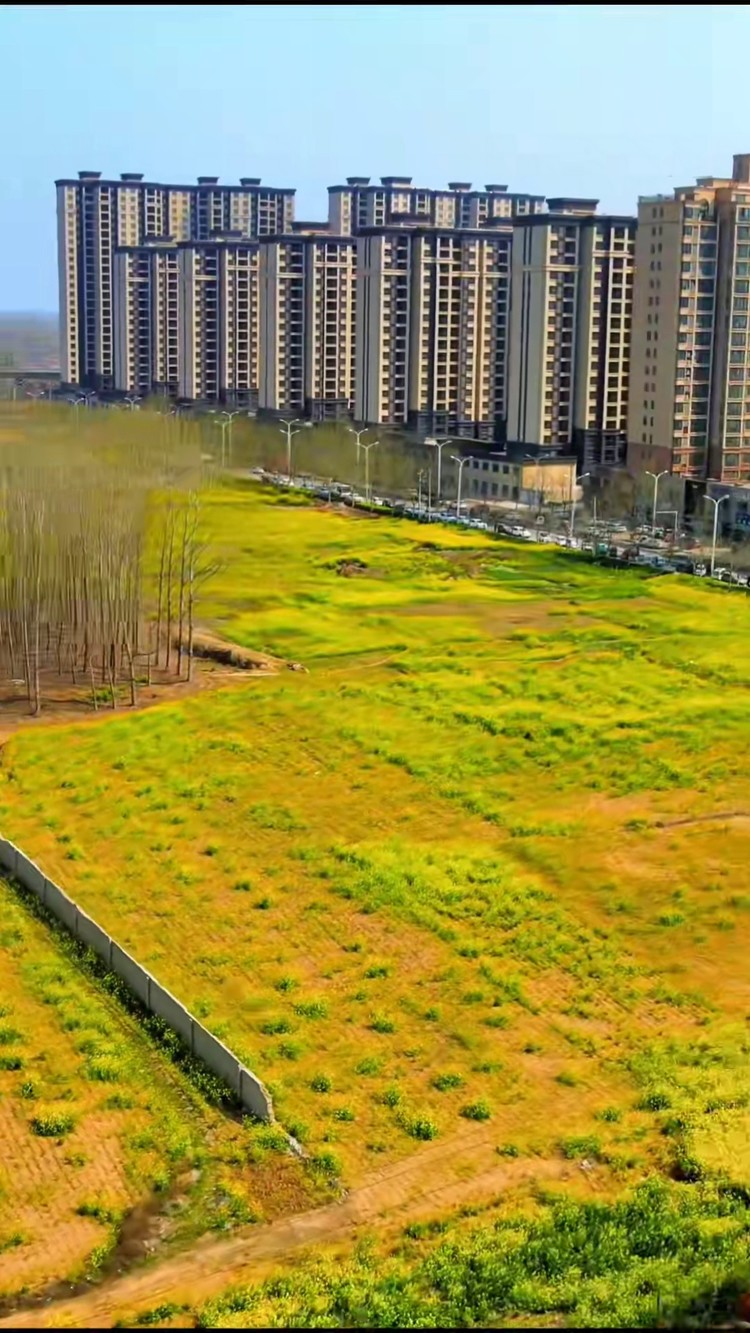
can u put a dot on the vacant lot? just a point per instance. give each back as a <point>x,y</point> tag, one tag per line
<point>484,865</point>
<point>106,1150</point>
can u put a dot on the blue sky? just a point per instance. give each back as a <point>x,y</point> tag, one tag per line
<point>607,101</point>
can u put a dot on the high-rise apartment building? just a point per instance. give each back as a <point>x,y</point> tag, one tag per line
<point>572,285</point>
<point>458,334</point>
<point>690,396</point>
<point>219,321</point>
<point>307,295</point>
<point>396,200</point>
<point>96,216</point>
<point>432,323</point>
<point>146,304</point>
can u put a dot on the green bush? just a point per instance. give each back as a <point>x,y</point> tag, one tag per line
<point>422,1128</point>
<point>52,1124</point>
<point>446,1082</point>
<point>476,1111</point>
<point>380,1023</point>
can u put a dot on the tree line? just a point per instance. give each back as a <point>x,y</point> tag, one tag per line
<point>101,553</point>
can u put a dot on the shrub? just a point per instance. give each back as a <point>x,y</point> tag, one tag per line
<point>445,1082</point>
<point>567,1079</point>
<point>28,1090</point>
<point>290,1050</point>
<point>370,1065</point>
<point>476,1111</point>
<point>655,1101</point>
<point>9,1036</point>
<point>421,1128</point>
<point>377,970</point>
<point>382,1024</point>
<point>11,1062</point>
<point>52,1124</point>
<point>611,1114</point>
<point>275,1027</point>
<point>327,1163</point>
<point>391,1097</point>
<point>344,1113</point>
<point>263,903</point>
<point>508,1150</point>
<point>242,886</point>
<point>312,1009</point>
<point>321,1083</point>
<point>585,1146</point>
<point>286,984</point>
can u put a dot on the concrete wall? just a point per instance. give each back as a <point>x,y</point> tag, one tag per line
<point>248,1089</point>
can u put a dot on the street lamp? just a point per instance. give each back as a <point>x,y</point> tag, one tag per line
<point>715,504</point>
<point>367,448</point>
<point>657,478</point>
<point>223,425</point>
<point>440,445</point>
<point>229,416</point>
<point>420,478</point>
<point>461,465</point>
<point>286,429</point>
<point>358,433</point>
<point>132,400</point>
<point>574,501</point>
<point>76,403</point>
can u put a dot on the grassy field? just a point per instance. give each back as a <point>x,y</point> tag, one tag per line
<point>99,1131</point>
<point>461,871</point>
<point>479,874</point>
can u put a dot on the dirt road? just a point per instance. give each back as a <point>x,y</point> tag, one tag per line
<point>460,1170</point>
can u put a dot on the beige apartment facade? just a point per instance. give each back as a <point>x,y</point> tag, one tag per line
<point>97,216</point>
<point>569,372</point>
<point>690,406</point>
<point>432,329</point>
<point>219,321</point>
<point>308,326</point>
<point>395,200</point>
<point>146,315</point>
<point>458,333</point>
<point>383,306</point>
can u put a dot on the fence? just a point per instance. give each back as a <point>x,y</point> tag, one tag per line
<point>248,1089</point>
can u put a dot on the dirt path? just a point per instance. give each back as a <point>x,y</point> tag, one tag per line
<point>460,1170</point>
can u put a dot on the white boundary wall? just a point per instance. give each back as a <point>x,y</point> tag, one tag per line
<point>247,1088</point>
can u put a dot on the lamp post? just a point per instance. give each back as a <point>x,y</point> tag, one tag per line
<point>440,445</point>
<point>420,478</point>
<point>286,429</point>
<point>367,448</point>
<point>223,426</point>
<point>657,478</point>
<point>76,403</point>
<point>229,419</point>
<point>358,433</point>
<point>715,504</point>
<point>132,400</point>
<point>461,465</point>
<point>574,502</point>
